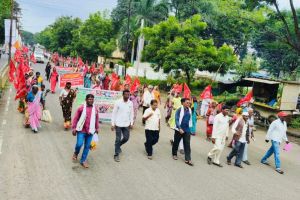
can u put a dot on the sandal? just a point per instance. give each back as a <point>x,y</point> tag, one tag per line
<point>175,157</point>
<point>84,164</point>
<point>74,157</point>
<point>189,163</point>
<point>279,171</point>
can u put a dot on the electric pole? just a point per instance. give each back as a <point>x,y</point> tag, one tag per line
<point>10,31</point>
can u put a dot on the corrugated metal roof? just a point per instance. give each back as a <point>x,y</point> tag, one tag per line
<point>261,80</point>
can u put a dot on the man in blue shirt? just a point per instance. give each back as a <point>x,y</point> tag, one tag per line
<point>183,119</point>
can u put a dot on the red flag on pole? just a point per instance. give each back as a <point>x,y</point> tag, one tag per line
<point>101,69</point>
<point>186,91</point>
<point>177,88</point>
<point>12,70</point>
<point>32,58</point>
<point>128,80</point>
<point>25,49</point>
<point>206,94</point>
<point>246,99</point>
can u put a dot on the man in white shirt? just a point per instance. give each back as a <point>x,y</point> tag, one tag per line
<point>122,122</point>
<point>240,129</point>
<point>251,127</point>
<point>147,97</point>
<point>276,133</point>
<point>152,118</point>
<point>219,136</point>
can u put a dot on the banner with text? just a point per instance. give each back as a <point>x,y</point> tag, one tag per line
<point>64,70</point>
<point>75,78</point>
<point>104,101</point>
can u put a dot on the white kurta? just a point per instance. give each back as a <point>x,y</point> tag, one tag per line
<point>220,132</point>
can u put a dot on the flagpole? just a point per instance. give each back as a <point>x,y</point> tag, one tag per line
<point>10,30</point>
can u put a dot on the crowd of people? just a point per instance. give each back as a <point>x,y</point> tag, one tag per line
<point>181,116</point>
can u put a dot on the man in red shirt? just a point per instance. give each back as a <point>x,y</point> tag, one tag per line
<point>85,125</point>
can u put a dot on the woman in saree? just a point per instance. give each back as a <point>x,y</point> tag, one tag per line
<point>194,115</point>
<point>53,79</point>
<point>210,114</point>
<point>88,79</point>
<point>34,108</point>
<point>66,99</point>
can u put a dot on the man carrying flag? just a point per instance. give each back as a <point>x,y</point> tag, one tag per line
<point>206,97</point>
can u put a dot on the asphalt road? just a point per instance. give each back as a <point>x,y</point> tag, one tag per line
<point>39,166</point>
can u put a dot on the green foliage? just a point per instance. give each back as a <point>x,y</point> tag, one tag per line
<point>295,123</point>
<point>59,36</point>
<point>95,37</point>
<point>88,39</point>
<point>248,65</point>
<point>278,57</point>
<point>28,37</point>
<point>176,46</point>
<point>5,13</point>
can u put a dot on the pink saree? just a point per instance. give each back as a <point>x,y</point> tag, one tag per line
<point>35,113</point>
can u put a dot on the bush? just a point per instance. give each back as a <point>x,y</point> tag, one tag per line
<point>295,122</point>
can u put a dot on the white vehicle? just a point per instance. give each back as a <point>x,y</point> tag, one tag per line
<point>39,56</point>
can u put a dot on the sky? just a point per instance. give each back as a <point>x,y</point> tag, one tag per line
<point>38,14</point>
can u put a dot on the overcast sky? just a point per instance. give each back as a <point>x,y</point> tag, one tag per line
<point>37,14</point>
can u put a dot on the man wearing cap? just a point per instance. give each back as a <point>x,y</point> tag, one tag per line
<point>276,133</point>
<point>240,129</point>
<point>219,136</point>
<point>147,98</point>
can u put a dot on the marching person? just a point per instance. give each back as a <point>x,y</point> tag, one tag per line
<point>219,136</point>
<point>276,133</point>
<point>240,129</point>
<point>48,70</point>
<point>251,134</point>
<point>66,99</point>
<point>183,118</point>
<point>53,80</point>
<point>85,125</point>
<point>122,122</point>
<point>34,108</point>
<point>152,118</point>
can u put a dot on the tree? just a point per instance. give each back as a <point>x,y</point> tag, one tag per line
<point>248,65</point>
<point>95,37</point>
<point>150,11</point>
<point>28,37</point>
<point>279,58</point>
<point>59,36</point>
<point>176,46</point>
<point>5,13</point>
<point>290,33</point>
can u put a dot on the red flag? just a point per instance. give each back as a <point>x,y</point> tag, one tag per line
<point>12,70</point>
<point>136,84</point>
<point>101,69</point>
<point>18,55</point>
<point>25,49</point>
<point>128,80</point>
<point>115,83</point>
<point>32,58</point>
<point>80,63</point>
<point>246,99</point>
<point>186,91</point>
<point>21,93</point>
<point>177,88</point>
<point>206,94</point>
<point>93,68</point>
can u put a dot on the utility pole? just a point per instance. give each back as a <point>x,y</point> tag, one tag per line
<point>128,35</point>
<point>10,31</point>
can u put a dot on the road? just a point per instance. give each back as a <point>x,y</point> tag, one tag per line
<point>39,166</point>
